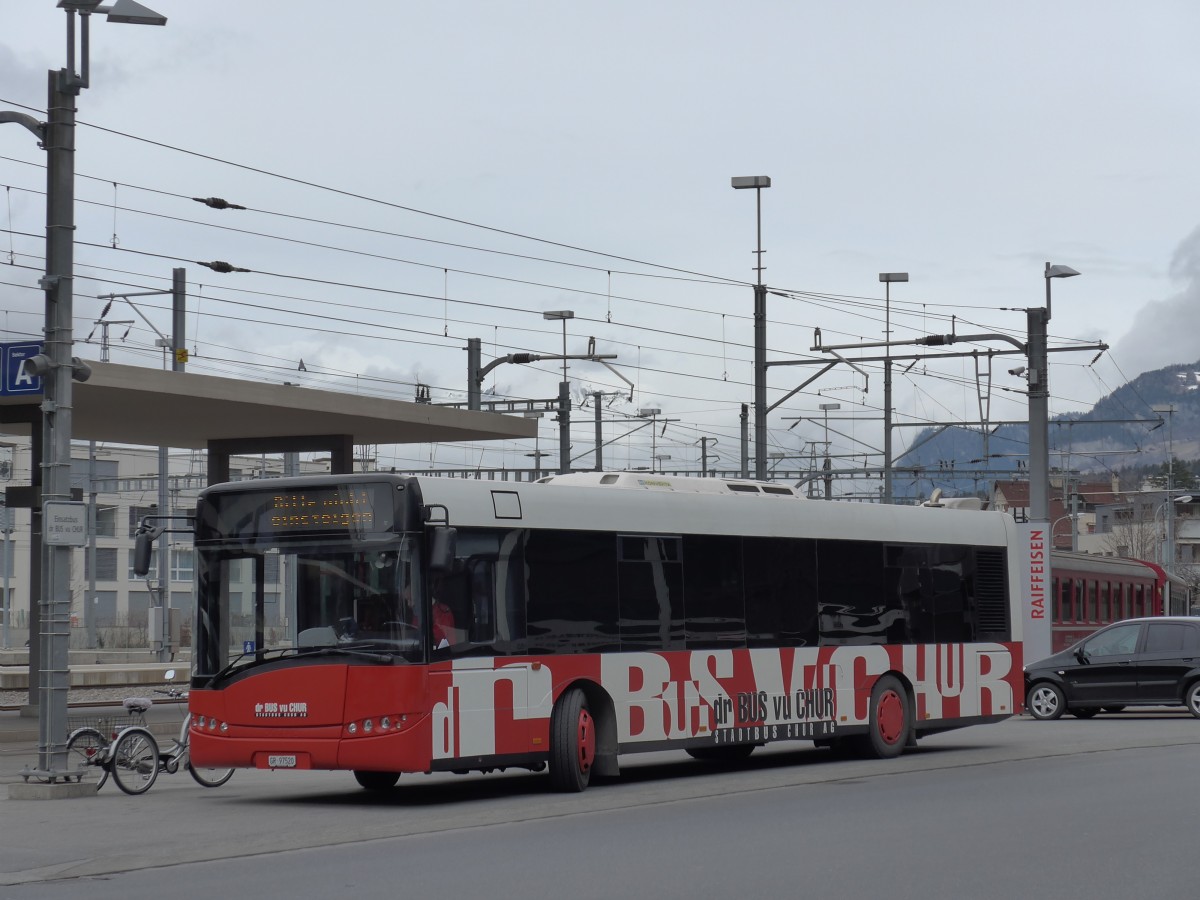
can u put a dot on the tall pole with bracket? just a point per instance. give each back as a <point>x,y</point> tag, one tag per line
<point>758,182</point>
<point>56,367</point>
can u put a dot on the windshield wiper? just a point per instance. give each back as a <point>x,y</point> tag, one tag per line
<point>258,658</point>
<point>386,659</point>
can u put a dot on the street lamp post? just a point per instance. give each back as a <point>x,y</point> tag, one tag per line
<point>1039,401</point>
<point>1166,553</point>
<point>758,182</point>
<point>564,396</point>
<point>1037,638</point>
<point>825,408</point>
<point>1169,556</point>
<point>888,278</point>
<point>6,530</point>
<point>56,367</point>
<point>653,415</point>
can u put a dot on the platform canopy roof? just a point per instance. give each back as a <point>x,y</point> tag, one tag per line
<point>151,407</point>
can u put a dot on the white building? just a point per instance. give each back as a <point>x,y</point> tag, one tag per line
<point>125,489</point>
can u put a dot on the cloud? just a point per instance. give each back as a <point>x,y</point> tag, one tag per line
<point>24,84</point>
<point>1164,331</point>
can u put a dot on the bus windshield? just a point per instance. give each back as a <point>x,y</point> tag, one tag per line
<point>307,597</point>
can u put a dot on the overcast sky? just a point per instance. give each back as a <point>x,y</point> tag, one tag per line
<point>497,151</point>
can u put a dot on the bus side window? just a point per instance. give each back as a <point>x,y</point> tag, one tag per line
<point>481,628</point>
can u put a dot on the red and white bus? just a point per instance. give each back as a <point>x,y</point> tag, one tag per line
<point>385,624</point>
<point>1093,591</point>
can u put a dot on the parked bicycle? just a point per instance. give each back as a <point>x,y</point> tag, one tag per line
<point>124,747</point>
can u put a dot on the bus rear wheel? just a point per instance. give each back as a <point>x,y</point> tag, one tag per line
<point>890,719</point>
<point>572,742</point>
<point>376,781</point>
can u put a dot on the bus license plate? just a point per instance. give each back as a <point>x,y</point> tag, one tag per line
<point>281,762</point>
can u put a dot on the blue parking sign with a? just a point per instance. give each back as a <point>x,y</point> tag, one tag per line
<point>16,380</point>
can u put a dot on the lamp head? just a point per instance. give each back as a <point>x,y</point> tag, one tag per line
<point>1059,271</point>
<point>38,366</point>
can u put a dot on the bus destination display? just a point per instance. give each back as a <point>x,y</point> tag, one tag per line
<point>346,508</point>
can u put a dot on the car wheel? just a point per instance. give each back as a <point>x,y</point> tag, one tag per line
<point>1192,698</point>
<point>1085,712</point>
<point>1045,701</point>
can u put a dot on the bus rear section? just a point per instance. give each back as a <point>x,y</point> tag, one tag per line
<point>386,625</point>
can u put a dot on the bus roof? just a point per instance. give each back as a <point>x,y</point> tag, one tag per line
<point>645,481</point>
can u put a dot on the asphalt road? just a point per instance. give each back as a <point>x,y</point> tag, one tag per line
<point>1099,809</point>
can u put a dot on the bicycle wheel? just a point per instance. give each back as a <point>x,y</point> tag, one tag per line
<point>209,777</point>
<point>85,750</point>
<point>135,760</point>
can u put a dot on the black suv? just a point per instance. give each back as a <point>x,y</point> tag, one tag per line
<point>1148,662</point>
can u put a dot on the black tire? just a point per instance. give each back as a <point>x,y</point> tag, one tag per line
<point>209,777</point>
<point>733,753</point>
<point>1192,698</point>
<point>135,760</point>
<point>1085,712</point>
<point>85,751</point>
<point>376,781</point>
<point>890,724</point>
<point>572,743</point>
<point>1045,701</point>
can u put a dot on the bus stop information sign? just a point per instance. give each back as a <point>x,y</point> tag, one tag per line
<point>64,523</point>
<point>14,380</point>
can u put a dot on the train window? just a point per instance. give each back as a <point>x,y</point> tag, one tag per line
<point>1105,609</point>
<point>1091,601</point>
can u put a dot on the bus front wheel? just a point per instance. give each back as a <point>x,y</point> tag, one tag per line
<point>376,781</point>
<point>572,742</point>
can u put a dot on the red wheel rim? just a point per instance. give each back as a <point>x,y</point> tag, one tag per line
<point>889,716</point>
<point>586,741</point>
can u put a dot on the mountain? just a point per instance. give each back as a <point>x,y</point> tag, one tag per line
<point>1120,431</point>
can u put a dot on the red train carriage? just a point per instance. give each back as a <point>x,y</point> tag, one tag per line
<point>1093,591</point>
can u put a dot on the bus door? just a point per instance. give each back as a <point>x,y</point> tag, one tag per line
<point>484,699</point>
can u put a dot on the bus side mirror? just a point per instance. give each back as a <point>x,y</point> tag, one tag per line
<point>143,546</point>
<point>443,543</point>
